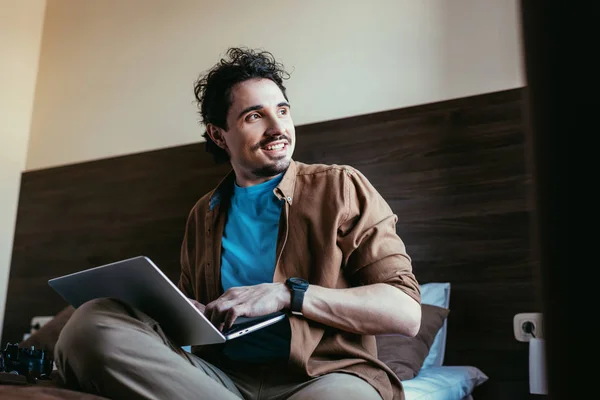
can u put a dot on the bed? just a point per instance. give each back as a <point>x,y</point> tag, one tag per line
<point>418,361</point>
<point>435,380</point>
<point>453,171</point>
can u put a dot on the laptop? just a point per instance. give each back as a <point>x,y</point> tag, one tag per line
<point>140,283</point>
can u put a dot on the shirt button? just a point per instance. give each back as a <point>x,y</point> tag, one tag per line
<point>289,199</point>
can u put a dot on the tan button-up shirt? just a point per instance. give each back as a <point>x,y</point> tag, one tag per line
<point>336,231</point>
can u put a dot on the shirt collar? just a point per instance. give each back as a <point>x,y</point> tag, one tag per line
<point>288,183</point>
<point>284,191</point>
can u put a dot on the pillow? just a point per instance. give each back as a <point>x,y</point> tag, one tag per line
<point>444,383</point>
<point>405,355</point>
<point>46,337</point>
<point>437,294</point>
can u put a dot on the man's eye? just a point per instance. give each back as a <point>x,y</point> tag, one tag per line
<point>252,117</point>
<point>283,111</point>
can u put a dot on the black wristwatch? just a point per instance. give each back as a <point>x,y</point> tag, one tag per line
<point>298,287</point>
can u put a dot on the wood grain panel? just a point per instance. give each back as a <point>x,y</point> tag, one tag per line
<point>453,171</point>
<point>83,215</point>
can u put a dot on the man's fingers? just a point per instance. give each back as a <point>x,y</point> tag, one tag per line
<point>201,307</point>
<point>212,315</point>
<point>209,311</point>
<point>216,321</point>
<point>222,313</point>
<point>216,312</point>
<point>231,316</point>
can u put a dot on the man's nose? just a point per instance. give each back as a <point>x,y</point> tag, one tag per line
<point>276,127</point>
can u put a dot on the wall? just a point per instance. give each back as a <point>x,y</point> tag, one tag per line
<point>20,38</point>
<point>116,76</point>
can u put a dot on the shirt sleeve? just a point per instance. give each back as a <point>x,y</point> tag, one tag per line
<point>373,251</point>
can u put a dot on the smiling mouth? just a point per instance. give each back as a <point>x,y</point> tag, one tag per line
<point>275,146</point>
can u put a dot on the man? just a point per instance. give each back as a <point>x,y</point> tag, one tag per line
<point>317,241</point>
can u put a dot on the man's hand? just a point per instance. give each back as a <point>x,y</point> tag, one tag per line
<point>198,305</point>
<point>247,301</point>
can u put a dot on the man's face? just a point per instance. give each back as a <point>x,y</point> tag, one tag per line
<point>261,137</point>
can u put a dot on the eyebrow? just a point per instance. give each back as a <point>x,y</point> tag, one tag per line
<point>260,106</point>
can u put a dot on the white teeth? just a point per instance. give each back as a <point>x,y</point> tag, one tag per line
<point>275,147</point>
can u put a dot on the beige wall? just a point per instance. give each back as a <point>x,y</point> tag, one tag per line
<point>116,76</point>
<point>20,37</point>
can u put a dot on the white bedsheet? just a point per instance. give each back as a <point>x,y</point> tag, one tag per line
<point>444,383</point>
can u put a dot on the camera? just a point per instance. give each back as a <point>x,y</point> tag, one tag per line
<point>30,362</point>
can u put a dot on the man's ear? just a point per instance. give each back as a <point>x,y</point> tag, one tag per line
<point>216,134</point>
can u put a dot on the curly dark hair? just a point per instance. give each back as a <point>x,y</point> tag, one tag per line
<point>213,89</point>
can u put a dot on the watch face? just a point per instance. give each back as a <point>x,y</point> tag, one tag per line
<point>299,282</point>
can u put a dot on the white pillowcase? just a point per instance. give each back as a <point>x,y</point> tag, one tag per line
<point>437,294</point>
<point>444,383</point>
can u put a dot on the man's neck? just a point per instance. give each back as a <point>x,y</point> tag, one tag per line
<point>255,181</point>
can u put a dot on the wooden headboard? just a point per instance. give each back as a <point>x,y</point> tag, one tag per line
<point>453,171</point>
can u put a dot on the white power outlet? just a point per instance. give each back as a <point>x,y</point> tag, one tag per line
<point>519,322</point>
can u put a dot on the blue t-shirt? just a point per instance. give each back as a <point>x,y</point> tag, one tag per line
<point>248,258</point>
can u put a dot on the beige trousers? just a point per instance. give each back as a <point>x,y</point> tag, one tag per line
<point>116,351</point>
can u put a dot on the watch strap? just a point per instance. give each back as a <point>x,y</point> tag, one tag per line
<point>297,300</point>
<point>298,288</point>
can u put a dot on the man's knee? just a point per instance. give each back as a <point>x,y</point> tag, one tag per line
<point>338,386</point>
<point>85,336</point>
